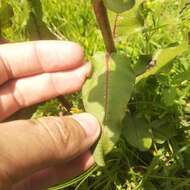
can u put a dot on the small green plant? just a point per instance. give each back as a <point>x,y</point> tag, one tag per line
<point>139,89</point>
<point>107,92</point>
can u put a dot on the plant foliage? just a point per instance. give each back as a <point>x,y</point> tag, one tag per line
<point>145,120</point>
<point>112,77</point>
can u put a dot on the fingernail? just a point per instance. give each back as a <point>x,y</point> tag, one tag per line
<point>88,69</point>
<point>89,123</point>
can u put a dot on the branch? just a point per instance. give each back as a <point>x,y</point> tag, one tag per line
<point>103,21</point>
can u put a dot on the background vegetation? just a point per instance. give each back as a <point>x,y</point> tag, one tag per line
<point>160,104</point>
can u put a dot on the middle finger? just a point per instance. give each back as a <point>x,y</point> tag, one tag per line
<point>24,92</point>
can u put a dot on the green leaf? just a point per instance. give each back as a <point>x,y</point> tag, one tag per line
<point>137,132</point>
<point>162,130</point>
<point>6,12</point>
<point>119,6</point>
<point>169,96</point>
<point>36,27</point>
<point>127,22</point>
<point>142,64</point>
<point>105,95</point>
<point>185,75</point>
<point>161,60</point>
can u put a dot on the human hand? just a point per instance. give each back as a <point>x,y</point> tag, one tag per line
<point>36,154</point>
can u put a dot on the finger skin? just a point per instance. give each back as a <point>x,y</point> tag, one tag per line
<point>31,58</point>
<point>30,146</point>
<point>57,174</point>
<point>24,92</point>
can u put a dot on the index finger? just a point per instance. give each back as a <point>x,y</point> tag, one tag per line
<point>31,58</point>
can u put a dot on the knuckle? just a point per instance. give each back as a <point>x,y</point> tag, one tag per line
<point>18,96</point>
<point>62,133</point>
<point>81,79</point>
<point>37,56</point>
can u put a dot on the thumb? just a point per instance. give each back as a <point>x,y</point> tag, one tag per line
<point>28,146</point>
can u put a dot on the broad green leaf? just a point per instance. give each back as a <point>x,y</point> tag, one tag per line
<point>119,6</point>
<point>162,130</point>
<point>142,64</point>
<point>36,27</point>
<point>137,132</point>
<point>127,22</point>
<point>105,95</point>
<point>161,60</point>
<point>183,76</point>
<point>169,96</point>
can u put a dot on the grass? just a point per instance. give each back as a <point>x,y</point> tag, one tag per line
<point>163,100</point>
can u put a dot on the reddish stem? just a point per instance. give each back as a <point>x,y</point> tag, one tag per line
<point>103,21</point>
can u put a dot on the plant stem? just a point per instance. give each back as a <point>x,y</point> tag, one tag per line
<point>103,21</point>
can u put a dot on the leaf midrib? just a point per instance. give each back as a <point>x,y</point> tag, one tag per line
<point>107,78</point>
